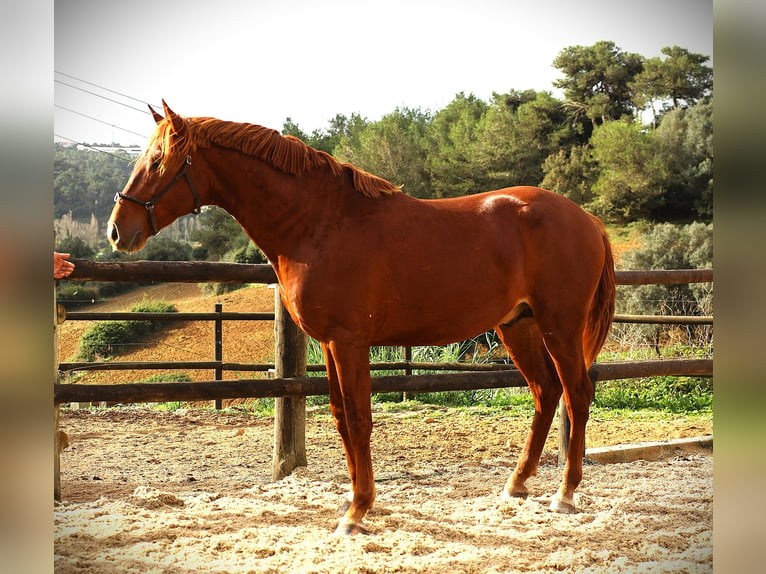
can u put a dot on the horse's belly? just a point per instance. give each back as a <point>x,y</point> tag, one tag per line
<point>440,320</point>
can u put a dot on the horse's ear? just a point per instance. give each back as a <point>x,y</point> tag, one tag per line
<point>175,119</point>
<point>157,117</point>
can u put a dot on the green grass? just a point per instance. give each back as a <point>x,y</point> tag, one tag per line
<point>680,395</point>
<point>673,395</point>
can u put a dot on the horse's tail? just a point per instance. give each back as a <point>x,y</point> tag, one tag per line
<point>602,306</point>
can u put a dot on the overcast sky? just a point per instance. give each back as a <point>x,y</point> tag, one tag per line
<point>264,60</point>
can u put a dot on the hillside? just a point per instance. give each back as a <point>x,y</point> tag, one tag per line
<point>243,341</point>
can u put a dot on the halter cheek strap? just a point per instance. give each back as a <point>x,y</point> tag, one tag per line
<point>149,205</point>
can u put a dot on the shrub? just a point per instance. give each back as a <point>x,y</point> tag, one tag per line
<point>173,377</point>
<point>219,288</point>
<point>76,246</point>
<point>110,338</point>
<point>669,246</point>
<point>248,254</point>
<point>166,249</point>
<point>72,294</point>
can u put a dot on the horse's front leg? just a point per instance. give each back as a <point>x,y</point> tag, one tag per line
<point>348,369</point>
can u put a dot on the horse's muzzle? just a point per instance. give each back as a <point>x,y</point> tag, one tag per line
<point>122,242</point>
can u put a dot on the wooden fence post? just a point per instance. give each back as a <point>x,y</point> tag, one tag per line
<point>408,371</point>
<point>57,317</point>
<point>289,412</point>
<point>218,352</point>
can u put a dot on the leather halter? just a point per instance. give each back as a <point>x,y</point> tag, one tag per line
<point>149,205</point>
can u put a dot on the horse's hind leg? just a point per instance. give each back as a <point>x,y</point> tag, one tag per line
<point>567,355</point>
<point>525,345</point>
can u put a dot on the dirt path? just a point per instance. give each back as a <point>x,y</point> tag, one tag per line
<point>190,491</point>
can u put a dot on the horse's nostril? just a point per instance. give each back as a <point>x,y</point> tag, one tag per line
<point>112,233</point>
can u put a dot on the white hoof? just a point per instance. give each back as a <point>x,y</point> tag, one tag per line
<point>350,528</point>
<point>562,506</point>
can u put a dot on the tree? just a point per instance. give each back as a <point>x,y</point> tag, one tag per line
<point>219,233</point>
<point>515,135</point>
<point>85,181</point>
<point>685,140</point>
<point>326,140</point>
<point>680,80</point>
<point>392,149</point>
<point>78,248</point>
<point>450,147</point>
<point>597,80</point>
<point>632,173</point>
<point>571,173</point>
<point>290,128</point>
<point>160,248</point>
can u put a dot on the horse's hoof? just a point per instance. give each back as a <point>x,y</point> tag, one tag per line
<point>558,505</point>
<point>514,495</point>
<point>350,528</point>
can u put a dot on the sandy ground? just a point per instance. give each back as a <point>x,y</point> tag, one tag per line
<point>190,491</point>
<point>147,491</point>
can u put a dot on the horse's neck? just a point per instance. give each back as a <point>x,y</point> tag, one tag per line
<point>279,212</point>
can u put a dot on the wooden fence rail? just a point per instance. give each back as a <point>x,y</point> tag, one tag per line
<point>215,272</point>
<point>291,386</point>
<point>308,386</point>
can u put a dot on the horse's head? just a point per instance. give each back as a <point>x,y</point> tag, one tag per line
<point>159,190</point>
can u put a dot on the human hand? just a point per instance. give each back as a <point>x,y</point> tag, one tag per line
<point>61,267</point>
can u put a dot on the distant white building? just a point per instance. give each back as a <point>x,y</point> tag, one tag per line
<point>130,150</point>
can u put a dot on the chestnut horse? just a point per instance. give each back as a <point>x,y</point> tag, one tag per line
<point>359,263</point>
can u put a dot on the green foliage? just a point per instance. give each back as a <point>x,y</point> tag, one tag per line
<point>249,254</point>
<point>597,80</point>
<point>392,148</point>
<point>632,172</point>
<point>160,248</point>
<point>71,294</point>
<point>685,142</point>
<point>571,173</point>
<point>76,246</point>
<point>153,306</point>
<point>680,80</point>
<point>669,394</point>
<point>505,154</point>
<point>109,338</point>
<point>219,233</point>
<point>450,147</point>
<point>669,246</point>
<point>219,288</point>
<point>85,181</point>
<point>172,377</point>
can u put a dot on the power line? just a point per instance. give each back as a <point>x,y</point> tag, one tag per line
<point>101,88</point>
<point>112,100</point>
<point>100,121</point>
<point>101,96</point>
<point>129,161</point>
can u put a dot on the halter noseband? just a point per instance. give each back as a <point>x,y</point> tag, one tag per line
<point>149,205</point>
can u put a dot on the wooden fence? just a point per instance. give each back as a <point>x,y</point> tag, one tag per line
<point>291,385</point>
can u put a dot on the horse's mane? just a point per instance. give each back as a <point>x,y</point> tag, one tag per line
<point>287,154</point>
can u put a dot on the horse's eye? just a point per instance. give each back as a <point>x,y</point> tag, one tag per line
<point>155,165</point>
